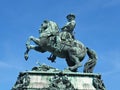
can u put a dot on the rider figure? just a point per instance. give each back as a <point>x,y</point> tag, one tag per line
<point>70,25</point>
<point>66,33</point>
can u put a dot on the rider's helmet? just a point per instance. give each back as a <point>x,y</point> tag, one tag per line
<point>69,16</point>
<point>45,21</point>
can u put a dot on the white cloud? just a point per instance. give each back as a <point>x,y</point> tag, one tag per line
<point>4,65</point>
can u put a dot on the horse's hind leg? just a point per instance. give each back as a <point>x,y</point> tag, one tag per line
<point>75,60</point>
<point>70,64</point>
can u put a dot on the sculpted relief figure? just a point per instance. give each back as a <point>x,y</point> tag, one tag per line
<point>59,44</point>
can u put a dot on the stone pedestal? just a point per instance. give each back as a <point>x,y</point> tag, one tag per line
<point>54,79</point>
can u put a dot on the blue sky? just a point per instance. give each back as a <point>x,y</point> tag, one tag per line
<point>98,27</point>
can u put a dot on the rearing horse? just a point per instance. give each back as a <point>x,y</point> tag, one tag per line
<point>73,53</point>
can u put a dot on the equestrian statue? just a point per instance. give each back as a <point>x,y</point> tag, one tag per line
<point>59,43</point>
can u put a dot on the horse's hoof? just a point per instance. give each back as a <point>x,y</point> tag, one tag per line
<point>67,70</point>
<point>80,65</point>
<point>70,68</point>
<point>26,57</point>
<point>28,47</point>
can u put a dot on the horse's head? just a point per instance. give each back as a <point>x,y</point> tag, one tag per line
<point>48,28</point>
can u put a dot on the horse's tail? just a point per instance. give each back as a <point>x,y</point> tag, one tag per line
<point>91,53</point>
<point>90,64</point>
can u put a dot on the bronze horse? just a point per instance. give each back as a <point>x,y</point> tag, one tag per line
<point>73,52</point>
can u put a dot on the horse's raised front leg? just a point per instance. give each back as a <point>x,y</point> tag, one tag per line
<point>31,38</point>
<point>28,46</point>
<point>27,51</point>
<point>26,54</point>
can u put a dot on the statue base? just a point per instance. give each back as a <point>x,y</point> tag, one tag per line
<point>48,78</point>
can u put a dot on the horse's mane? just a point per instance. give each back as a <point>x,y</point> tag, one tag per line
<point>54,26</point>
